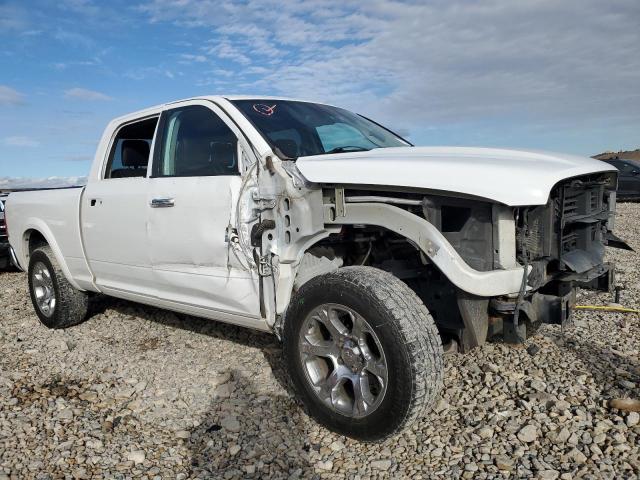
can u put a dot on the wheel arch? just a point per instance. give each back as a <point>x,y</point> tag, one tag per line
<point>434,245</point>
<point>287,271</point>
<point>36,234</point>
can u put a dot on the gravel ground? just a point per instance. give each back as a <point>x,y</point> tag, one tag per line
<point>137,392</point>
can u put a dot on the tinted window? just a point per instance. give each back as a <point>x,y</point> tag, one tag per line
<point>339,135</point>
<point>129,153</point>
<point>296,129</point>
<point>196,142</point>
<point>628,167</point>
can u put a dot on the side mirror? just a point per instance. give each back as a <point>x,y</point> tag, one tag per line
<point>635,172</point>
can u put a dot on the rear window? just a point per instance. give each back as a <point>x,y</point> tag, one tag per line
<point>129,155</point>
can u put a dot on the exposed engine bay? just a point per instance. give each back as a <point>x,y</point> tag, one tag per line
<point>560,244</point>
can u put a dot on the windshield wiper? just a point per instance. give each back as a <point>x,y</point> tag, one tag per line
<point>347,148</point>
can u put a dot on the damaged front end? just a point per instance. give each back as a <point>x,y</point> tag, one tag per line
<point>563,245</point>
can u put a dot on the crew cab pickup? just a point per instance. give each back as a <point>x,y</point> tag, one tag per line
<point>363,253</point>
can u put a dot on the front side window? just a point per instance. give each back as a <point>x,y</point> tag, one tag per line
<point>129,153</point>
<point>196,142</point>
<point>297,129</point>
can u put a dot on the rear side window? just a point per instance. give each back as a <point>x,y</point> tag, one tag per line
<point>129,155</point>
<point>195,142</point>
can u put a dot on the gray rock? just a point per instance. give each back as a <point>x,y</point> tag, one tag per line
<point>562,405</point>
<point>230,423</point>
<point>627,384</point>
<point>577,456</point>
<point>538,385</point>
<point>548,474</point>
<point>89,396</point>
<point>219,379</point>
<point>562,436</point>
<point>66,414</point>
<point>336,446</point>
<point>136,456</point>
<point>633,418</point>
<point>528,434</point>
<point>323,465</point>
<point>504,463</point>
<point>381,464</point>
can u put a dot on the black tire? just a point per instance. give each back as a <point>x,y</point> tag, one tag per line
<point>70,306</point>
<point>407,334</point>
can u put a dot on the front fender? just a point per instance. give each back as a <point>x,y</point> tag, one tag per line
<point>434,245</point>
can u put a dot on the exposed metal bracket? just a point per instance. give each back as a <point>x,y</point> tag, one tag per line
<point>431,248</point>
<point>341,206</point>
<point>265,269</point>
<point>263,202</point>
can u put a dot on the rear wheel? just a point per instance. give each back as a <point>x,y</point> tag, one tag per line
<point>363,351</point>
<point>56,302</point>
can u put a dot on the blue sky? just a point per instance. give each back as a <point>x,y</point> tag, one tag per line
<point>531,74</point>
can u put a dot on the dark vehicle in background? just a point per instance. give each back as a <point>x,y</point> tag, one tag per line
<point>628,179</point>
<point>5,259</point>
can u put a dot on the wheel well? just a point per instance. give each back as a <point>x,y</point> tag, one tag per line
<point>34,239</point>
<point>381,248</point>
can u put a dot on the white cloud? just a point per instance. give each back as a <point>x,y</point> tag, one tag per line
<point>31,33</point>
<point>143,73</point>
<point>74,39</point>
<point>225,49</point>
<point>48,182</point>
<point>85,7</point>
<point>443,61</point>
<point>78,158</point>
<point>13,17</point>
<point>190,58</point>
<point>85,94</point>
<point>9,96</point>
<point>20,141</point>
<point>96,61</point>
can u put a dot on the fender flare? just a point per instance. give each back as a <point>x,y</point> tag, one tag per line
<point>38,225</point>
<point>434,245</point>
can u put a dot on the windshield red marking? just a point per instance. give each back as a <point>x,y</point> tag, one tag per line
<point>264,109</point>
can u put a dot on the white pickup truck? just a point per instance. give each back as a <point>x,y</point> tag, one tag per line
<point>363,253</point>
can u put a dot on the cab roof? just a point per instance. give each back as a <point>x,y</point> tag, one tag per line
<point>215,98</point>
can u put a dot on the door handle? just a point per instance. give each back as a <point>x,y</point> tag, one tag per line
<point>162,202</point>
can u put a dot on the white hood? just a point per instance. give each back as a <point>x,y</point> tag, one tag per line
<point>511,177</point>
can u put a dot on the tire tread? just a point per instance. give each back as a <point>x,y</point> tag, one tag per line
<point>71,304</point>
<point>417,327</point>
<point>412,323</point>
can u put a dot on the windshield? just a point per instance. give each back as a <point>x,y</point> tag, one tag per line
<point>298,129</point>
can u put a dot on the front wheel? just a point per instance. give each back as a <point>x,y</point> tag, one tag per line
<point>56,302</point>
<point>363,351</point>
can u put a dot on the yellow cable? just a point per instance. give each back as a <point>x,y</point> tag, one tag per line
<point>607,309</point>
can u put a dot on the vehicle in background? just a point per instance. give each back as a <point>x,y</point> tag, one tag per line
<point>5,257</point>
<point>628,178</point>
<point>362,252</point>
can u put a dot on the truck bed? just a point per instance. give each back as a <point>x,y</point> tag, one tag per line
<point>55,213</point>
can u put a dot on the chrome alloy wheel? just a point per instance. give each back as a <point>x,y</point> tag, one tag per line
<point>343,360</point>
<point>43,289</point>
